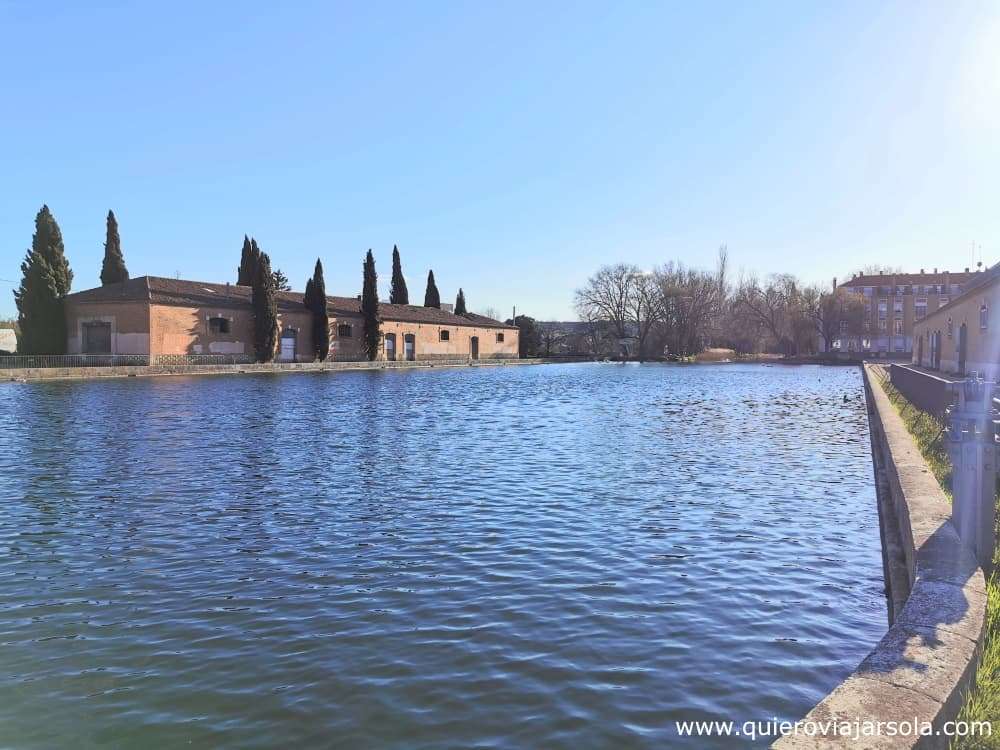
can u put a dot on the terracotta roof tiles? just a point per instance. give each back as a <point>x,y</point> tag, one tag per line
<point>161,291</point>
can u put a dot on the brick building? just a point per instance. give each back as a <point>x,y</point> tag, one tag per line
<point>963,336</point>
<point>165,318</point>
<point>894,303</point>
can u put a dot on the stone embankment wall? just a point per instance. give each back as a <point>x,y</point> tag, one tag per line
<point>924,664</point>
<point>87,373</point>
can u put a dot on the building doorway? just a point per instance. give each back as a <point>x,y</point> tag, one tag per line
<point>963,345</point>
<point>288,340</point>
<point>474,347</point>
<point>96,338</point>
<point>390,347</point>
<point>410,347</point>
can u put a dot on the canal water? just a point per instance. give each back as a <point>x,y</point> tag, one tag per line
<point>566,556</point>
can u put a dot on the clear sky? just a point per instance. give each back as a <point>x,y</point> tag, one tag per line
<point>512,147</point>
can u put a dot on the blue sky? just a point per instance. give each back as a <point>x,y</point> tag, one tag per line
<point>512,147</point>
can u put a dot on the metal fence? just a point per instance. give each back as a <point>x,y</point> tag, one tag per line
<point>202,359</point>
<point>925,391</point>
<point>29,361</point>
<point>38,361</point>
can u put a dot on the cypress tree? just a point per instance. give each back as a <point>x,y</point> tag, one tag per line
<point>316,290</point>
<point>244,272</point>
<point>265,311</point>
<point>113,269</point>
<point>460,303</point>
<point>431,296</point>
<point>249,259</point>
<point>398,294</point>
<point>307,298</point>
<point>369,309</point>
<point>47,279</point>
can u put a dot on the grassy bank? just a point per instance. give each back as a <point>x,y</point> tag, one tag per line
<point>928,432</point>
<point>983,702</point>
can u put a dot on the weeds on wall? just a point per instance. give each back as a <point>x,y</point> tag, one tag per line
<point>928,432</point>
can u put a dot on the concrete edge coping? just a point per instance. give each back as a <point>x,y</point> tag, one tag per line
<point>922,667</point>
<point>92,373</point>
<point>934,374</point>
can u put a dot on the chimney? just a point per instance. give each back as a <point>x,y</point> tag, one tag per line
<point>935,269</point>
<point>880,272</point>
<point>834,283</point>
<point>921,272</point>
<point>966,269</point>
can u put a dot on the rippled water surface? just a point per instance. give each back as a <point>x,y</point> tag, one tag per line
<point>569,556</point>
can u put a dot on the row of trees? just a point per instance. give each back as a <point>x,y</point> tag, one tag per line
<point>255,271</point>
<point>47,279</point>
<point>677,310</point>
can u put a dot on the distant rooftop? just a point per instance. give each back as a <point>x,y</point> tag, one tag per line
<point>933,278</point>
<point>179,292</point>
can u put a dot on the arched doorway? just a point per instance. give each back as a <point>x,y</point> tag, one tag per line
<point>410,347</point>
<point>474,347</point>
<point>963,345</point>
<point>390,347</point>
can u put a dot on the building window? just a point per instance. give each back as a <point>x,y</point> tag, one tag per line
<point>344,330</point>
<point>882,326</point>
<point>444,335</point>
<point>218,325</point>
<point>866,343</point>
<point>499,338</point>
<point>951,328</point>
<point>984,314</point>
<point>897,307</point>
<point>942,301</point>
<point>843,327</point>
<point>898,327</point>
<point>868,325</point>
<point>882,308</point>
<point>920,308</point>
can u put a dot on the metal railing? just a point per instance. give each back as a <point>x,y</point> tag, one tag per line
<point>925,391</point>
<point>31,361</point>
<point>38,361</point>
<point>202,359</point>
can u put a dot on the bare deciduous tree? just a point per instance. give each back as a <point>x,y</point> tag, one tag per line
<point>624,296</point>
<point>773,305</point>
<point>834,314</point>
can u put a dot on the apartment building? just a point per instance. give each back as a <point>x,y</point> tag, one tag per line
<point>893,303</point>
